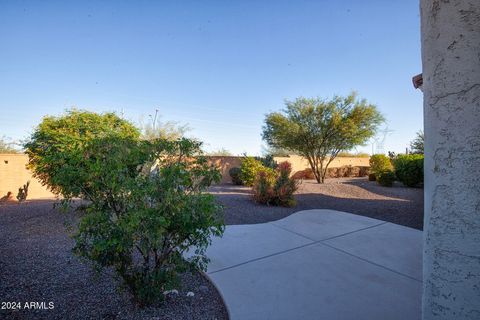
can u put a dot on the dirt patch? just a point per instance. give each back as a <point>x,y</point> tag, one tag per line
<point>398,204</point>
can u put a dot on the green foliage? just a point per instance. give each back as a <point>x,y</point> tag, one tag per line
<point>386,178</point>
<point>23,192</point>
<point>380,163</point>
<point>417,144</point>
<point>268,161</point>
<point>409,169</point>
<point>319,129</point>
<point>56,147</point>
<point>275,187</point>
<point>250,167</point>
<point>235,174</point>
<point>148,203</point>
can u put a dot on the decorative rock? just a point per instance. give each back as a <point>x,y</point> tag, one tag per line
<point>190,294</point>
<point>173,291</point>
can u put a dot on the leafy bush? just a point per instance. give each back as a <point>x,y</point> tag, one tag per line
<point>147,202</point>
<point>380,163</point>
<point>372,177</point>
<point>275,187</point>
<point>386,178</point>
<point>409,169</point>
<point>268,161</point>
<point>235,174</point>
<point>55,147</point>
<point>250,168</point>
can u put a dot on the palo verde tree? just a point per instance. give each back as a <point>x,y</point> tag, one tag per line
<point>416,145</point>
<point>319,129</point>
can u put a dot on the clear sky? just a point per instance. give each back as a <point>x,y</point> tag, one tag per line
<point>219,66</point>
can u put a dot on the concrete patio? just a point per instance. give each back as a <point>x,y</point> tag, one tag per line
<point>319,264</point>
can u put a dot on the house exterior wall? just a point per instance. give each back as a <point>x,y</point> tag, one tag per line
<point>451,87</point>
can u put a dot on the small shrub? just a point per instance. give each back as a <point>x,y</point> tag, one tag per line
<point>275,187</point>
<point>235,174</point>
<point>268,161</point>
<point>409,169</point>
<point>250,168</point>
<point>364,171</point>
<point>380,163</point>
<point>386,178</point>
<point>23,192</point>
<point>372,177</point>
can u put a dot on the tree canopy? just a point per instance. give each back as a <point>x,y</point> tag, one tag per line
<point>318,129</point>
<point>416,145</point>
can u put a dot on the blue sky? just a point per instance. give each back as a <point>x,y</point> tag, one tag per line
<point>219,66</point>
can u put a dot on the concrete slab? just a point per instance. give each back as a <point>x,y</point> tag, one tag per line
<point>390,245</point>
<point>321,224</point>
<point>243,243</point>
<point>317,282</point>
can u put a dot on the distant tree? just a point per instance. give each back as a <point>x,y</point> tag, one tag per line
<point>416,145</point>
<point>219,153</point>
<point>319,129</point>
<point>276,152</point>
<point>168,130</point>
<point>6,147</point>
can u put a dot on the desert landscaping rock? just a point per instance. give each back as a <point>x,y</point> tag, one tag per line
<point>399,204</point>
<point>37,265</point>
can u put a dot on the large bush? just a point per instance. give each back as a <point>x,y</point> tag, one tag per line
<point>250,168</point>
<point>235,174</point>
<point>386,178</point>
<point>380,163</point>
<point>275,187</point>
<point>409,169</point>
<point>147,206</point>
<point>55,149</point>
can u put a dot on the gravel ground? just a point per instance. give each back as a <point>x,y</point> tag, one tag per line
<point>398,204</point>
<point>36,264</point>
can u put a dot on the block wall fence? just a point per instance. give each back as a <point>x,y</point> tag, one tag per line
<point>13,173</point>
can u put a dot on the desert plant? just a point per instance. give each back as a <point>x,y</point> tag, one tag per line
<point>275,187</point>
<point>380,163</point>
<point>319,130</point>
<point>417,144</point>
<point>372,177</point>
<point>23,192</point>
<point>268,161</point>
<point>386,178</point>
<point>147,201</point>
<point>409,169</point>
<point>235,174</point>
<point>250,168</point>
<point>55,149</point>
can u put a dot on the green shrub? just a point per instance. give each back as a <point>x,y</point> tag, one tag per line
<point>235,174</point>
<point>268,161</point>
<point>55,149</point>
<point>386,178</point>
<point>250,168</point>
<point>372,177</point>
<point>147,202</point>
<point>275,187</point>
<point>409,169</point>
<point>380,163</point>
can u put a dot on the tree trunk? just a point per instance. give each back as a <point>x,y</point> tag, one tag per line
<point>451,85</point>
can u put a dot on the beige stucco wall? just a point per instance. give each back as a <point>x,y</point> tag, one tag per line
<point>299,163</point>
<point>224,164</point>
<point>14,175</point>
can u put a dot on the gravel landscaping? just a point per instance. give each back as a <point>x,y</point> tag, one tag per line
<point>36,265</point>
<point>398,204</point>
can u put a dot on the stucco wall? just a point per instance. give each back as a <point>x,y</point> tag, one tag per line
<point>13,175</point>
<point>451,86</point>
<point>298,163</point>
